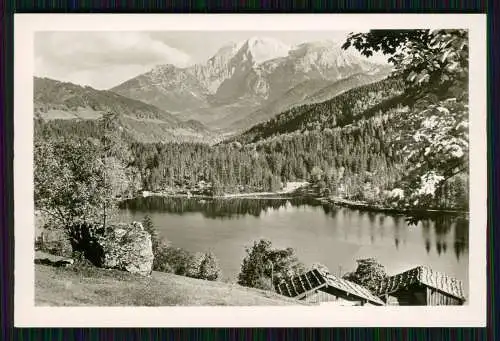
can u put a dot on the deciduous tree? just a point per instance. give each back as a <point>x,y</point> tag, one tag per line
<point>264,263</point>
<point>69,180</point>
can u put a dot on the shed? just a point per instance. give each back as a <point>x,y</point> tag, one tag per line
<point>421,286</point>
<point>316,286</point>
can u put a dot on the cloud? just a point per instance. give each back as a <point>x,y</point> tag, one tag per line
<point>101,59</point>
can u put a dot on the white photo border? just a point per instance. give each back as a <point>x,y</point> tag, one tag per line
<point>26,314</point>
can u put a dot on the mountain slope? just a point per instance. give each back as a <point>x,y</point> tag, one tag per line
<point>292,97</point>
<point>77,105</point>
<point>246,78</point>
<point>308,92</point>
<point>167,87</point>
<point>345,84</point>
<point>339,111</point>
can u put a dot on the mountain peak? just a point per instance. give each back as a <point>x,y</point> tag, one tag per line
<point>227,51</point>
<point>262,49</point>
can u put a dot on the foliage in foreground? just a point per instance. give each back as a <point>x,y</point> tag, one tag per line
<point>433,134</point>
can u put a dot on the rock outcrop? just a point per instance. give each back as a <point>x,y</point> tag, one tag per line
<point>125,247</point>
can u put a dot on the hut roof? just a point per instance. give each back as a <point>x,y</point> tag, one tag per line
<point>315,279</point>
<point>423,275</point>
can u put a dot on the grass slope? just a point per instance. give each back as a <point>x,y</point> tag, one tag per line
<point>90,286</point>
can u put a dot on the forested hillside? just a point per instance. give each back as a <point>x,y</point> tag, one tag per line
<point>70,107</point>
<point>346,84</point>
<point>339,111</point>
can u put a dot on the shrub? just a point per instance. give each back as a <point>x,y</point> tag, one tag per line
<point>264,283</point>
<point>369,273</point>
<point>161,250</point>
<point>161,261</point>
<point>172,259</point>
<point>205,266</point>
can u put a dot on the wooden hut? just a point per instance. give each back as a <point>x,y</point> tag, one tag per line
<point>421,286</point>
<point>317,286</point>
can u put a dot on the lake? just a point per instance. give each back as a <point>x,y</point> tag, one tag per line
<point>333,236</point>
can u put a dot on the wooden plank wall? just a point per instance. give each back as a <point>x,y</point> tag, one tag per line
<point>435,297</point>
<point>417,296</point>
<point>319,296</point>
<point>412,296</point>
<point>331,295</point>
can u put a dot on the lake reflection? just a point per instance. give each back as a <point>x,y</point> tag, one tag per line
<point>214,208</point>
<point>330,235</point>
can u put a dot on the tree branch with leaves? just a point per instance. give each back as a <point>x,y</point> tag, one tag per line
<point>433,135</point>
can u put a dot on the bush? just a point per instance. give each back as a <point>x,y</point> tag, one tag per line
<point>369,273</point>
<point>81,261</point>
<point>264,283</point>
<point>160,261</point>
<point>161,251</point>
<point>173,260</point>
<point>205,266</point>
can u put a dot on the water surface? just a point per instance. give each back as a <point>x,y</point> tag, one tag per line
<point>333,236</point>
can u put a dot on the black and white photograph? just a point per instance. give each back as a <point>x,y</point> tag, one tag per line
<point>326,168</point>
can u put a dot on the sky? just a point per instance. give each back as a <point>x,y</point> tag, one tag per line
<point>105,59</point>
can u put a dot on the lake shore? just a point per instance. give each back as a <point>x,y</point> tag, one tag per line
<point>256,195</point>
<point>296,190</point>
<point>394,210</point>
<point>289,191</point>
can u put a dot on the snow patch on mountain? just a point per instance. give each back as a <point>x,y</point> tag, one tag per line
<point>262,49</point>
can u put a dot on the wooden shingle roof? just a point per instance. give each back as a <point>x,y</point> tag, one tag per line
<point>315,279</point>
<point>423,275</point>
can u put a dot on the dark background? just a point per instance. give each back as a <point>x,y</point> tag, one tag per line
<point>8,8</point>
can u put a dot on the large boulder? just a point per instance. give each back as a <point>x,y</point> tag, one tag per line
<point>125,247</point>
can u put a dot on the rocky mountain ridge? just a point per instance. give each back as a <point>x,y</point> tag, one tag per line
<point>244,77</point>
